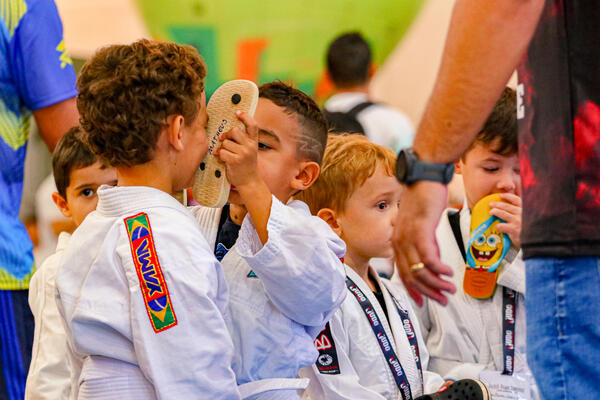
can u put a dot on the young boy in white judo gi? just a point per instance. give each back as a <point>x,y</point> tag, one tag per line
<point>143,297</point>
<point>284,275</point>
<point>77,174</point>
<point>465,339</point>
<point>372,348</point>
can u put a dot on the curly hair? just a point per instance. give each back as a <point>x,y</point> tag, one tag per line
<point>126,93</point>
<point>311,144</point>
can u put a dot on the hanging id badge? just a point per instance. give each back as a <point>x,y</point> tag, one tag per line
<point>506,387</point>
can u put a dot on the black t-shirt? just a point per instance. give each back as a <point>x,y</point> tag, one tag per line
<point>558,107</point>
<point>226,235</point>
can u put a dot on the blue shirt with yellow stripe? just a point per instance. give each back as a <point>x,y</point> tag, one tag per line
<point>35,72</point>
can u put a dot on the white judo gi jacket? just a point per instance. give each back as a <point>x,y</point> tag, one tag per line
<point>465,337</point>
<point>49,374</point>
<point>363,370</point>
<point>145,302</point>
<point>281,294</point>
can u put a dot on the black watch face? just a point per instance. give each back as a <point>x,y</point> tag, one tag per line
<point>448,173</point>
<point>401,167</point>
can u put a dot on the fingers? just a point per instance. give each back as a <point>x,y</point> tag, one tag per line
<point>509,208</point>
<point>407,278</point>
<point>235,135</point>
<point>425,280</point>
<point>505,215</point>
<point>509,229</point>
<point>250,123</point>
<point>512,199</point>
<point>428,253</point>
<point>429,290</point>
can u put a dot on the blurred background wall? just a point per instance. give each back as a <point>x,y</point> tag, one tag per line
<point>274,39</point>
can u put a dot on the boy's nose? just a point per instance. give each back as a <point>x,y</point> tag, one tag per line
<point>394,215</point>
<point>506,183</point>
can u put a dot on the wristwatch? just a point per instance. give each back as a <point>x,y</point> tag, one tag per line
<point>409,169</point>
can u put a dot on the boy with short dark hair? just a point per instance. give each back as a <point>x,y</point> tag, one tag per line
<point>351,108</point>
<point>284,273</point>
<point>78,174</point>
<point>142,296</point>
<point>466,338</point>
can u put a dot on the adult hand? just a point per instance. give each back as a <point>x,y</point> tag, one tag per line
<point>421,206</point>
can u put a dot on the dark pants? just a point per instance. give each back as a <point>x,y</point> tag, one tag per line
<point>16,340</point>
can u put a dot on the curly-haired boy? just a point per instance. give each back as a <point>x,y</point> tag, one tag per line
<point>142,297</point>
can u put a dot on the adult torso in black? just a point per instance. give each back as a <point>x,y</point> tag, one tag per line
<point>558,106</point>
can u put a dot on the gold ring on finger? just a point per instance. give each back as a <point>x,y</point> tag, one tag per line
<point>417,267</point>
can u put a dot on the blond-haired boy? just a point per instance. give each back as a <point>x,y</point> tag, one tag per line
<point>372,348</point>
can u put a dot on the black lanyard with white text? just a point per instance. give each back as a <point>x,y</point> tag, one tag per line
<point>383,340</point>
<point>410,335</point>
<point>509,305</point>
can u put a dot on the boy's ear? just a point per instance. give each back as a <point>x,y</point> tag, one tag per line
<point>62,204</point>
<point>175,131</point>
<point>372,70</point>
<point>329,216</point>
<point>458,167</point>
<point>307,175</point>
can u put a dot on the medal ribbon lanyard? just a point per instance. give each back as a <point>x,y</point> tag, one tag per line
<point>411,335</point>
<point>509,308</point>
<point>384,342</point>
<point>509,305</point>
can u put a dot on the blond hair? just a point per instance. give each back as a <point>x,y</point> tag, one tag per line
<point>349,160</point>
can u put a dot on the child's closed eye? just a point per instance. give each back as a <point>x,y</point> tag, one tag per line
<point>491,169</point>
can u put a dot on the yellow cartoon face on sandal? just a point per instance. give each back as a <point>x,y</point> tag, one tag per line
<point>487,247</point>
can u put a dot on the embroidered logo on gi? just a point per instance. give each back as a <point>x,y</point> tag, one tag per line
<point>221,251</point>
<point>251,274</point>
<point>152,282</point>
<point>327,363</point>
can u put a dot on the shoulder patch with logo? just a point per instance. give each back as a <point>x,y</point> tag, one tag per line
<point>152,282</point>
<point>327,363</point>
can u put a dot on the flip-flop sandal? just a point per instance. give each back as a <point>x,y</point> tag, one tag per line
<point>465,389</point>
<point>485,251</point>
<point>211,188</point>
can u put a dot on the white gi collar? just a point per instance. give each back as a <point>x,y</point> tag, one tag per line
<point>119,200</point>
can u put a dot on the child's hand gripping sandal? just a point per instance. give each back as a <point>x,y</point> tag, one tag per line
<point>211,188</point>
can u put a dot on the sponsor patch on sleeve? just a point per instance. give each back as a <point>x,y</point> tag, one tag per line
<point>152,282</point>
<point>327,363</point>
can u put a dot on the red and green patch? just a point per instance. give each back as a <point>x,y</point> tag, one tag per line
<point>152,282</point>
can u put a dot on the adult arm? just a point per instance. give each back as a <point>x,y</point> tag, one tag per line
<point>485,42</point>
<point>43,72</point>
<point>55,120</point>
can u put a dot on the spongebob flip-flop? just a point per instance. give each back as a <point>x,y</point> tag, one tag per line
<point>485,251</point>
